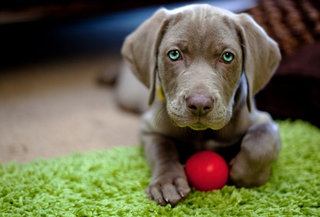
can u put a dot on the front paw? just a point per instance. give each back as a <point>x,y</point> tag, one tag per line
<point>245,173</point>
<point>168,189</point>
<point>259,149</point>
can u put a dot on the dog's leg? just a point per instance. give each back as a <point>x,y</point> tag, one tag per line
<point>259,148</point>
<point>168,183</point>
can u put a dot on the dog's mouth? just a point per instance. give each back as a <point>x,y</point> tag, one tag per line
<point>201,124</point>
<point>198,126</point>
<point>215,120</point>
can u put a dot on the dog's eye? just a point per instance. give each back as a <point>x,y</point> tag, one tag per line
<point>174,55</point>
<point>227,57</point>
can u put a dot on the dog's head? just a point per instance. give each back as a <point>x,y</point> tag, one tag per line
<point>199,53</point>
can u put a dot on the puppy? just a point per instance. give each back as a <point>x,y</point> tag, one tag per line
<point>207,64</point>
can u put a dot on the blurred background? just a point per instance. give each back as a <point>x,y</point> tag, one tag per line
<point>54,54</point>
<point>34,31</point>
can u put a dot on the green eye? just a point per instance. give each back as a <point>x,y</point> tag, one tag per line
<point>174,55</point>
<point>227,57</point>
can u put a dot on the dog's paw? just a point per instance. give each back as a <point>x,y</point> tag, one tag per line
<point>168,190</point>
<point>245,173</point>
<point>259,149</point>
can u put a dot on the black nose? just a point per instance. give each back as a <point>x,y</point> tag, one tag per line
<point>199,104</point>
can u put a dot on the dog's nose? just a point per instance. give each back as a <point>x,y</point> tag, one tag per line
<point>199,104</point>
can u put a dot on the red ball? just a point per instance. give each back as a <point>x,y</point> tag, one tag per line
<point>207,170</point>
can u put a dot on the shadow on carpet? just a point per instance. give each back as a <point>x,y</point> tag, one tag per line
<point>112,183</point>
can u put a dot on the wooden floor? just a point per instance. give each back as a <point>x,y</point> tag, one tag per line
<point>54,109</point>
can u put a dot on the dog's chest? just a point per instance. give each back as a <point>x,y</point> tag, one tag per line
<point>210,140</point>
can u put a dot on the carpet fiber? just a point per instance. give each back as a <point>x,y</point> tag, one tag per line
<point>112,183</point>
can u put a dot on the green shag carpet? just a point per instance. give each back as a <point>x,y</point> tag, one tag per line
<point>112,183</point>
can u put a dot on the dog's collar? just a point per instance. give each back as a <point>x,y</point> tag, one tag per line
<point>160,92</point>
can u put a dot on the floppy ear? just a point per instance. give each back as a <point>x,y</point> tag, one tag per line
<point>140,49</point>
<point>261,55</point>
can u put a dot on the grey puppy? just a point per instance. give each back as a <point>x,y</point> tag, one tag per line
<point>209,63</point>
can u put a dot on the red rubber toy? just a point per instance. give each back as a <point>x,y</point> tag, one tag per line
<point>207,170</point>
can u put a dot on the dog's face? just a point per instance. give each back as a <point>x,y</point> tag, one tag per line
<point>199,53</point>
<point>199,66</point>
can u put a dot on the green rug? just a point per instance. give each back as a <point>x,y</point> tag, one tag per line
<point>112,183</point>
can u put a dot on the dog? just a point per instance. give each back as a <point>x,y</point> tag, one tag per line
<point>205,64</point>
